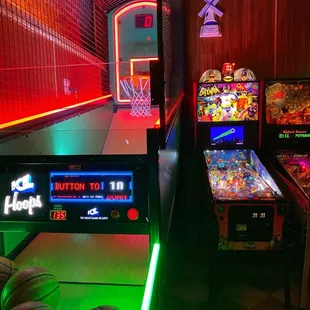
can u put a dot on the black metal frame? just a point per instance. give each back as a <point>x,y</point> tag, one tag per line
<point>158,83</point>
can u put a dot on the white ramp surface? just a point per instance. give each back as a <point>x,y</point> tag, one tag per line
<point>127,134</point>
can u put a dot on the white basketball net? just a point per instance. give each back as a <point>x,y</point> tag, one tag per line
<point>140,96</point>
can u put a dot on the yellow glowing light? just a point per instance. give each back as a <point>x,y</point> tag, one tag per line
<point>133,60</point>
<point>37,116</point>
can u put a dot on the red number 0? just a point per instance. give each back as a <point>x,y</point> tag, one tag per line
<point>148,22</point>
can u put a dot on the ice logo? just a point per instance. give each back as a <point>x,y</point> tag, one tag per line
<point>93,212</point>
<point>22,185</point>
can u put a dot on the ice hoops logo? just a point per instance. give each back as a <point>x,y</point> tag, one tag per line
<point>22,185</point>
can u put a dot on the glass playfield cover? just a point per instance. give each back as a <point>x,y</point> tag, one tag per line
<point>239,175</point>
<point>298,167</point>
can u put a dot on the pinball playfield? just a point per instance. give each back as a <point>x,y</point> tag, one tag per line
<point>239,175</point>
<point>298,167</point>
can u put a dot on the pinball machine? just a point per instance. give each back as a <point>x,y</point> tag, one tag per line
<point>249,206</point>
<point>286,138</point>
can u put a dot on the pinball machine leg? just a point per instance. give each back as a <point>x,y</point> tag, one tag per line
<point>305,271</point>
<point>213,284</point>
<point>287,261</point>
<point>287,279</point>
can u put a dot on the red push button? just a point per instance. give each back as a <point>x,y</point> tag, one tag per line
<point>133,214</point>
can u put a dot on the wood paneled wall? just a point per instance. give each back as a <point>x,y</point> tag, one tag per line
<point>271,37</point>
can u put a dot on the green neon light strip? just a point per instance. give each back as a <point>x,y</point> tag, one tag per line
<point>151,278</point>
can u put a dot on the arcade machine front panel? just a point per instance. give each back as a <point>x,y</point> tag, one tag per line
<point>99,248</point>
<point>237,178</point>
<point>249,207</point>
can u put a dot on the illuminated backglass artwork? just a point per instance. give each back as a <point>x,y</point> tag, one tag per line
<point>223,102</point>
<point>288,103</point>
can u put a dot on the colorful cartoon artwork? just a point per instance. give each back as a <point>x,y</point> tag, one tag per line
<point>298,166</point>
<point>288,104</point>
<point>244,74</point>
<point>224,102</point>
<point>211,76</point>
<point>239,175</point>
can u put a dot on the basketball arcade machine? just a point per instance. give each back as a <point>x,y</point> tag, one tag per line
<point>84,195</point>
<point>248,205</point>
<point>286,134</point>
<point>91,220</point>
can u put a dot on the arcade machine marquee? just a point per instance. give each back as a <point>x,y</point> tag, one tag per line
<point>249,206</point>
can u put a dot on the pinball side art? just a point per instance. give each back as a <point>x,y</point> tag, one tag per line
<point>230,95</point>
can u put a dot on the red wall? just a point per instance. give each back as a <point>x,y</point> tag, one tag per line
<point>45,57</point>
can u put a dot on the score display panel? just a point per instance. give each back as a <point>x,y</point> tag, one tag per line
<point>144,21</point>
<point>92,187</point>
<point>41,194</point>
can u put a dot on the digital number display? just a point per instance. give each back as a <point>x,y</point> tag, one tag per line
<point>91,187</point>
<point>144,21</point>
<point>58,215</point>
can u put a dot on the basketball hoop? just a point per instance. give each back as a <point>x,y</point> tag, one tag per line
<point>137,88</point>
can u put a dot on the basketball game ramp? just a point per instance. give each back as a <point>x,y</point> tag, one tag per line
<point>127,134</point>
<point>80,135</point>
<point>93,270</point>
<point>99,131</point>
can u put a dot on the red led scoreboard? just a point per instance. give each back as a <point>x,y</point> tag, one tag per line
<point>99,187</point>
